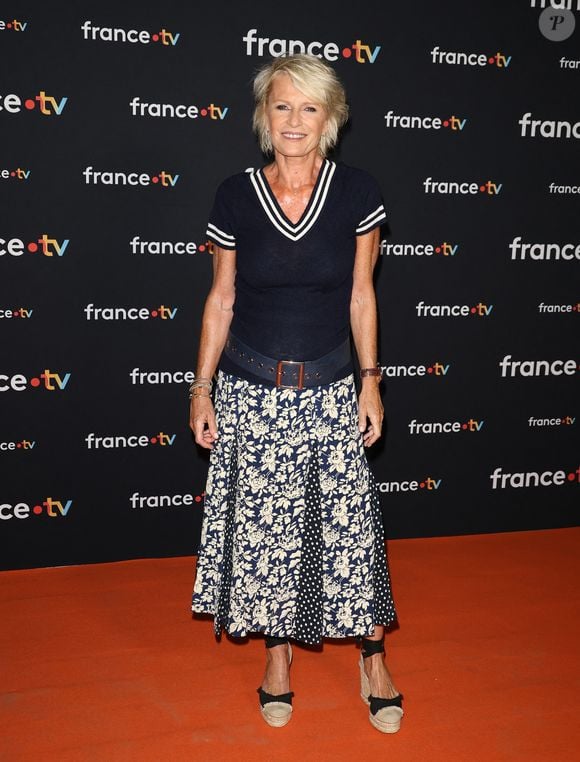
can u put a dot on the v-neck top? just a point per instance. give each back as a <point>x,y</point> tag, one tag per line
<point>294,280</point>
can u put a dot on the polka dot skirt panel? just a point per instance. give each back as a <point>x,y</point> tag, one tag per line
<point>292,541</point>
<point>308,627</point>
<point>223,608</point>
<point>384,609</point>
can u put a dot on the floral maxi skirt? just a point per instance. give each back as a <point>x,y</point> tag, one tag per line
<point>292,541</point>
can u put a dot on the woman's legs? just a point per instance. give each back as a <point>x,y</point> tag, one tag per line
<point>277,674</point>
<point>275,698</point>
<point>376,670</point>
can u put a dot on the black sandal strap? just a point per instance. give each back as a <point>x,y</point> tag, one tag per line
<point>370,647</point>
<point>267,698</point>
<point>272,642</point>
<point>381,703</point>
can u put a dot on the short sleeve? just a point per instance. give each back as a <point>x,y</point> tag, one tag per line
<point>221,227</point>
<point>371,209</point>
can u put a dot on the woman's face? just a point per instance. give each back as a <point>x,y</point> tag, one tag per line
<point>295,122</point>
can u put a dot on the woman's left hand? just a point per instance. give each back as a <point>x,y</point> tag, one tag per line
<point>370,407</point>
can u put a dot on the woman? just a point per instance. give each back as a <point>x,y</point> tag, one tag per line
<point>292,541</point>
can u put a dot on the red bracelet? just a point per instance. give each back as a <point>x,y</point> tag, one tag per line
<point>370,372</point>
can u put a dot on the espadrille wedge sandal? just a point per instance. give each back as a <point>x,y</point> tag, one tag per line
<point>384,714</point>
<point>276,710</point>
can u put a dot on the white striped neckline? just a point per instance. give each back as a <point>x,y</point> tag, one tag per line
<point>269,202</point>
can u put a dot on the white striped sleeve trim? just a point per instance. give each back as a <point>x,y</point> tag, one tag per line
<point>371,220</point>
<point>218,236</point>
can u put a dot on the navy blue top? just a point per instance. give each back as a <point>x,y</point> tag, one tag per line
<point>294,280</point>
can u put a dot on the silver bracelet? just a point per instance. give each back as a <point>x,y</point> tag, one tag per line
<point>192,395</point>
<point>200,383</point>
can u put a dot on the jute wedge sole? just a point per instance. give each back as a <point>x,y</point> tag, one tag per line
<point>277,710</point>
<point>277,713</point>
<point>387,719</point>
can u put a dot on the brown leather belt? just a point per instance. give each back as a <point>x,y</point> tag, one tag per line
<point>289,374</point>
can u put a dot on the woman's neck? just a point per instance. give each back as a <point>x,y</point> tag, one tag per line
<point>295,171</point>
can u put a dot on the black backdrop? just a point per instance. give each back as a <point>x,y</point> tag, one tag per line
<point>71,383</point>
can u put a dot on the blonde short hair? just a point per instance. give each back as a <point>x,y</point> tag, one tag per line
<point>316,80</point>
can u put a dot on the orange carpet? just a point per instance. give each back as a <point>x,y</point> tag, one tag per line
<point>104,663</point>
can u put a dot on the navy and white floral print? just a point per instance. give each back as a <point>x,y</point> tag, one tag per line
<point>292,540</point>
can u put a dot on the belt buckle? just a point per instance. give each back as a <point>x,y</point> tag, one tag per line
<point>280,370</point>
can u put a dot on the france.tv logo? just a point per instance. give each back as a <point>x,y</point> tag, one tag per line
<point>48,380</point>
<point>44,104</point>
<point>48,247</point>
<point>17,174</point>
<point>445,249</point>
<point>330,51</point>
<point>15,25</point>
<point>162,179</point>
<point>49,507</point>
<point>118,34</point>
<point>25,445</point>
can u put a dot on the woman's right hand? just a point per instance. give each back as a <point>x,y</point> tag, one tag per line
<point>202,421</point>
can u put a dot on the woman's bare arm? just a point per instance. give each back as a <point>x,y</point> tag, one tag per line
<point>216,320</point>
<point>363,321</point>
